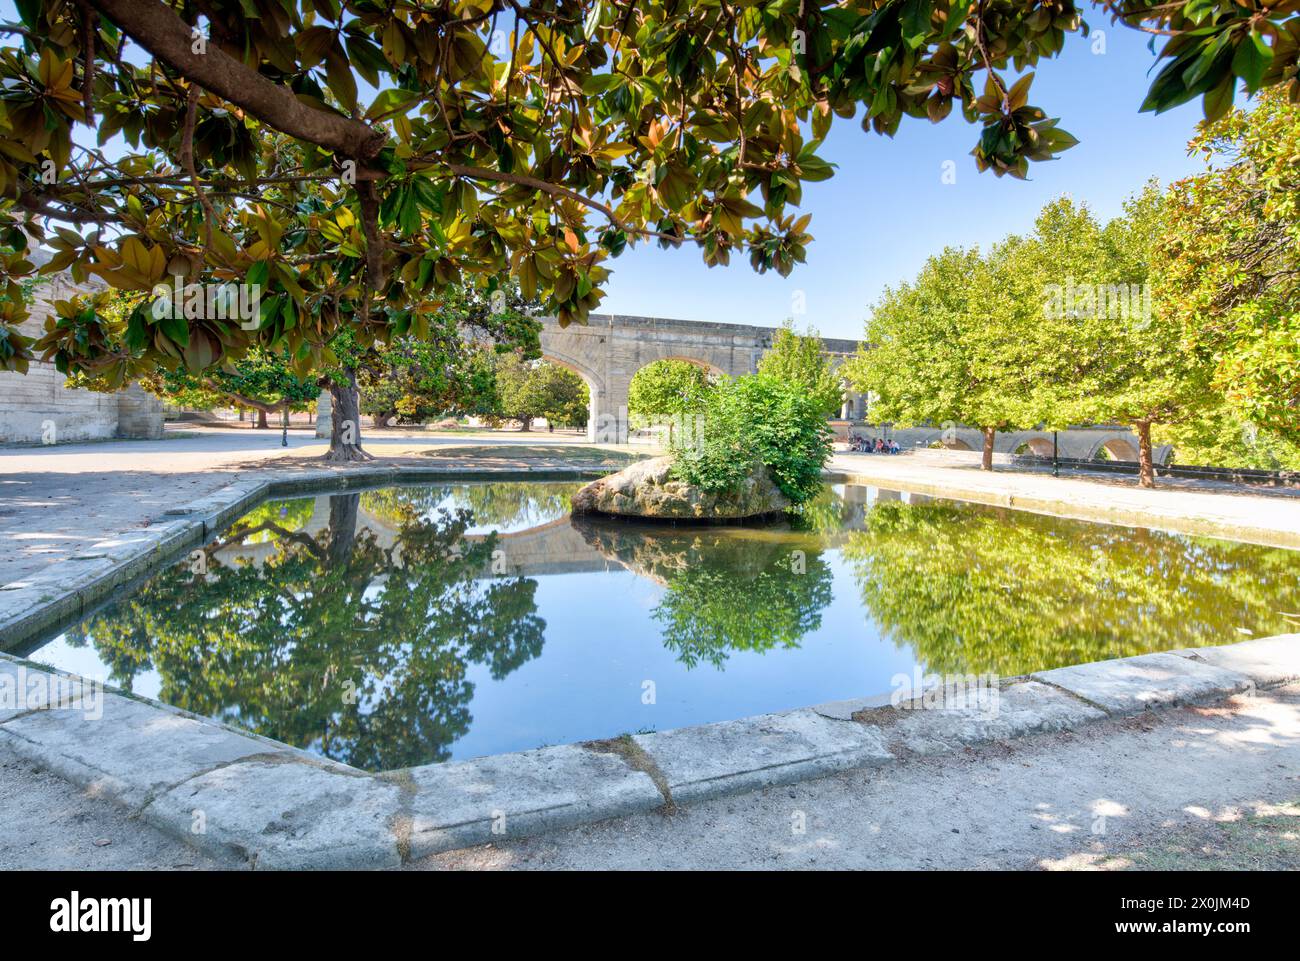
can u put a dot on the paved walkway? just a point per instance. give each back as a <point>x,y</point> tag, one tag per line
<point>1176,789</point>
<point>1111,795</point>
<point>1240,511</point>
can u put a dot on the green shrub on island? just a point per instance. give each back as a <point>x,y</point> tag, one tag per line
<point>752,420</point>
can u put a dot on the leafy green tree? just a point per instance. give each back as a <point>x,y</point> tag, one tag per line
<point>256,381</point>
<point>528,389</point>
<point>938,350</point>
<point>799,359</point>
<point>447,365</point>
<point>667,389</point>
<point>1220,437</point>
<point>255,159</point>
<point>1101,348</point>
<point>1228,277</point>
<point>260,380</point>
<point>566,399</point>
<point>415,380</point>
<point>751,421</point>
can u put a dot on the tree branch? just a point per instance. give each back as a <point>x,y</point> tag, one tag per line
<point>165,35</point>
<point>555,190</point>
<point>187,161</point>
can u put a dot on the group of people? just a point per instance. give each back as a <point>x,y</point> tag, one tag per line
<point>868,445</point>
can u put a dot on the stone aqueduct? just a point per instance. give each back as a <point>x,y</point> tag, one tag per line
<point>609,350</point>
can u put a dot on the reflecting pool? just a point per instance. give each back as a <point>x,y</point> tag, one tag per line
<point>409,625</point>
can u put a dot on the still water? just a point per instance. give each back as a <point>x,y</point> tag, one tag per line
<point>409,625</point>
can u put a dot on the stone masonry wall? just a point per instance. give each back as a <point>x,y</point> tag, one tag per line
<point>37,408</point>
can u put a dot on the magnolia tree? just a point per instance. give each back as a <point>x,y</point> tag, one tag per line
<point>346,161</point>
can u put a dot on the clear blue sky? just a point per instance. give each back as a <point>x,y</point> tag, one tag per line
<point>886,209</point>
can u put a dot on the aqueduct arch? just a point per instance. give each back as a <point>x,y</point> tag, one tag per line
<point>1119,448</point>
<point>609,349</point>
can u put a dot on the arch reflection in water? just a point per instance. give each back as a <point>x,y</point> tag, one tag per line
<point>407,625</point>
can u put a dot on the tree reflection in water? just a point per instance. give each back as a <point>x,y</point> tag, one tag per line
<point>726,588</point>
<point>335,642</point>
<point>976,589</point>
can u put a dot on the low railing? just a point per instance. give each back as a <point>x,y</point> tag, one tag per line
<point>1239,475</point>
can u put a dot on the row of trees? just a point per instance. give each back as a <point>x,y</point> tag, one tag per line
<point>410,380</point>
<point>407,382</point>
<point>1176,318</point>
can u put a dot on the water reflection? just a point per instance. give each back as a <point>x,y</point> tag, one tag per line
<point>989,590</point>
<point>351,641</point>
<point>726,589</point>
<point>406,625</point>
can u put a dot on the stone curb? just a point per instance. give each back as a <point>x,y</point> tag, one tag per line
<point>70,588</point>
<point>247,798</point>
<point>1149,516</point>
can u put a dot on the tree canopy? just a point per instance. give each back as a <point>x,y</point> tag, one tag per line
<point>1229,274</point>
<point>1176,318</point>
<point>799,359</point>
<point>528,389</point>
<point>667,388</point>
<point>940,349</point>
<point>751,421</point>
<point>353,159</point>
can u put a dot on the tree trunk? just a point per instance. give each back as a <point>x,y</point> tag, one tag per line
<point>345,424</point>
<point>261,420</point>
<point>986,461</point>
<point>525,423</point>
<point>344,509</point>
<point>1146,463</point>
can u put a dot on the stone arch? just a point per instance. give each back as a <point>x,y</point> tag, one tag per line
<point>708,367</point>
<point>1034,444</point>
<point>948,442</point>
<point>1119,448</point>
<point>595,386</point>
<point>713,371</point>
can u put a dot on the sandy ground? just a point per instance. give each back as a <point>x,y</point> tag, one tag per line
<point>1134,793</point>
<point>1185,789</point>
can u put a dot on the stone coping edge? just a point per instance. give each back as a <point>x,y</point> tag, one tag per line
<point>1147,517</point>
<point>68,589</point>
<point>262,804</point>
